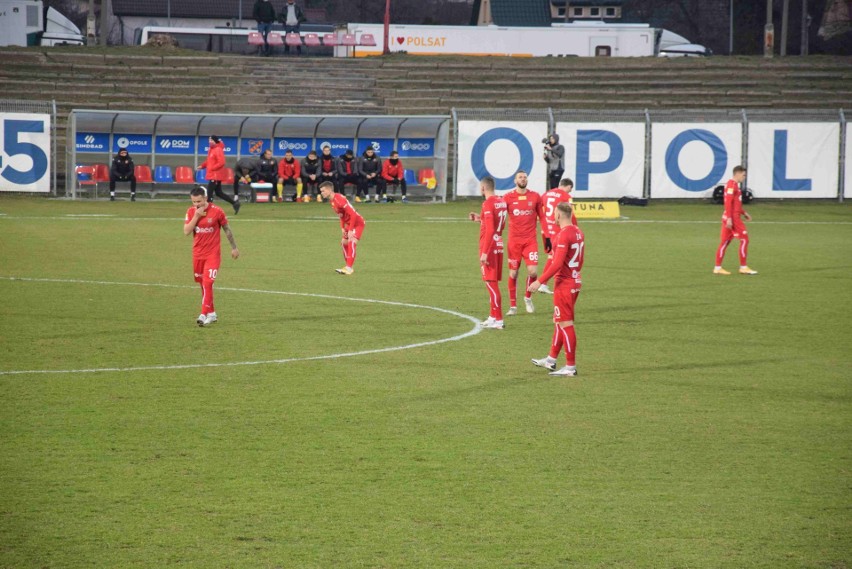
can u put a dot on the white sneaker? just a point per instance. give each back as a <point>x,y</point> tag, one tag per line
<point>528,303</point>
<point>544,289</point>
<point>512,311</point>
<point>546,363</point>
<point>345,271</point>
<point>201,320</point>
<point>211,318</point>
<point>487,322</point>
<point>494,324</point>
<point>569,371</point>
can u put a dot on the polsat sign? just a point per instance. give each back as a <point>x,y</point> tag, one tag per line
<point>421,41</point>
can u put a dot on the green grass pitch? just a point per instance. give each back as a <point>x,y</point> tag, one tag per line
<point>709,426</point>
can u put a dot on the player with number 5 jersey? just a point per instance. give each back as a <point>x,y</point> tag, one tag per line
<point>550,229</point>
<point>568,253</point>
<point>492,220</point>
<point>203,221</point>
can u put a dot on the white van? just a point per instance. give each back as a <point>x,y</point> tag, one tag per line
<point>27,23</point>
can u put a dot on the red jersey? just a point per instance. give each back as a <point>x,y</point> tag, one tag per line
<point>549,200</point>
<point>492,221</point>
<point>523,210</point>
<point>206,240</point>
<point>567,255</point>
<point>733,201</point>
<point>289,170</point>
<point>349,218</point>
<point>392,171</point>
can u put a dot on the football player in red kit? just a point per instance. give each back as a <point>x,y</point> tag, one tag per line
<point>204,220</point>
<point>492,220</point>
<point>524,209</point>
<point>550,229</point>
<point>567,264</point>
<point>351,223</point>
<point>732,224</point>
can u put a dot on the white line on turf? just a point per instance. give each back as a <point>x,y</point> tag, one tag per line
<point>472,332</point>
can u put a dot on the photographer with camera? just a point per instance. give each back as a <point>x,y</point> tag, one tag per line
<point>554,155</point>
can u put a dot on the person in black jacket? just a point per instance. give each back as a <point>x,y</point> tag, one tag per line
<point>122,170</point>
<point>266,170</point>
<point>264,13</point>
<point>370,170</point>
<point>327,168</point>
<point>347,173</point>
<point>310,175</point>
<point>292,17</point>
<point>245,171</point>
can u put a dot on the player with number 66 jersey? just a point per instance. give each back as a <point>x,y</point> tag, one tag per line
<point>525,211</point>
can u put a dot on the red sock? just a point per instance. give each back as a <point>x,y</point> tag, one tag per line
<point>527,293</point>
<point>569,337</point>
<point>207,297</point>
<point>349,252</point>
<point>743,251</point>
<point>513,291</point>
<point>495,299</point>
<point>556,344</point>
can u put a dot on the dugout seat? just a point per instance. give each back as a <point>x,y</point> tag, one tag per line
<point>367,40</point>
<point>229,174</point>
<point>274,39</point>
<point>101,173</point>
<point>201,176</point>
<point>143,176</point>
<point>183,175</point>
<point>330,40</point>
<point>410,178</point>
<point>348,40</point>
<point>163,175</point>
<point>255,38</point>
<point>85,177</point>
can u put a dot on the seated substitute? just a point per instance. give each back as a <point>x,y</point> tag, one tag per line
<point>310,176</point>
<point>245,172</point>
<point>347,173</point>
<point>122,170</point>
<point>289,172</point>
<point>393,173</point>
<point>327,168</point>
<point>370,171</point>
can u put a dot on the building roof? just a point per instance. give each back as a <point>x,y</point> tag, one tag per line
<point>525,13</point>
<point>585,3</point>
<point>229,9</point>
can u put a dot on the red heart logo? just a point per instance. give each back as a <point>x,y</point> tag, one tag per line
<point>399,40</point>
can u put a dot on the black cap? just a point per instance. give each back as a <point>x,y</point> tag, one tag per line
<point>215,138</point>
<point>349,152</point>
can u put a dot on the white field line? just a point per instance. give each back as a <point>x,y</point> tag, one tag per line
<point>473,331</point>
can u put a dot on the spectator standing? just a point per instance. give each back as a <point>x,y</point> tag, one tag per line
<point>264,13</point>
<point>292,18</point>
<point>347,173</point>
<point>393,173</point>
<point>245,172</point>
<point>122,170</point>
<point>310,175</point>
<point>554,155</point>
<point>370,170</point>
<point>328,168</point>
<point>567,264</point>
<point>215,165</point>
<point>203,221</point>
<point>289,172</point>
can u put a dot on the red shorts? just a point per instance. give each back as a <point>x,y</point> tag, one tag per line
<point>493,271</point>
<point>206,269</point>
<point>565,295</point>
<point>739,231</point>
<point>526,250</point>
<point>358,228</point>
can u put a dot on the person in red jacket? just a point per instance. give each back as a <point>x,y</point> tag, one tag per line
<point>215,165</point>
<point>393,173</point>
<point>732,224</point>
<point>289,174</point>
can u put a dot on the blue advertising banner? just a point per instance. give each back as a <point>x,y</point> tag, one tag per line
<point>175,144</point>
<point>299,146</point>
<point>92,142</point>
<point>230,145</point>
<point>382,146</point>
<point>338,145</point>
<point>134,143</point>
<point>254,146</point>
<point>416,147</point>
